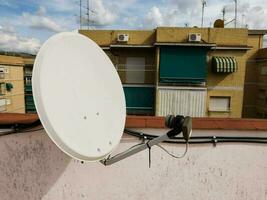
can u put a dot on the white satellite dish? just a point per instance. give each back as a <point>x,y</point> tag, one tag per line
<point>78,96</point>
<point>80,100</point>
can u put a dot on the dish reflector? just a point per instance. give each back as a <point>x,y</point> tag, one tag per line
<point>78,96</point>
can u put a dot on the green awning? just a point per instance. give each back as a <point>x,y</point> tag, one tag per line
<point>224,64</point>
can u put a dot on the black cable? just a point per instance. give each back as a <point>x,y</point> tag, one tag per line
<point>30,130</point>
<point>202,139</point>
<point>3,133</point>
<point>21,125</point>
<point>175,156</point>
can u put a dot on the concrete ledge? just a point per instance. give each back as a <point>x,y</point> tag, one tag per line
<point>158,122</point>
<point>16,118</point>
<point>200,123</point>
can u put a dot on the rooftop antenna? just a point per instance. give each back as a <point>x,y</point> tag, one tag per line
<point>92,129</point>
<point>80,14</point>
<point>223,12</point>
<point>88,14</point>
<point>243,20</point>
<point>204,4</point>
<point>235,13</point>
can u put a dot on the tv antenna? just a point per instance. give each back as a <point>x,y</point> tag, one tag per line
<point>223,12</point>
<point>235,13</point>
<point>204,4</point>
<point>82,108</point>
<point>80,14</point>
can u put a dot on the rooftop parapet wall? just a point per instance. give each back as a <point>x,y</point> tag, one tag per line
<point>28,61</point>
<point>109,37</point>
<point>157,122</point>
<point>219,36</point>
<point>11,60</point>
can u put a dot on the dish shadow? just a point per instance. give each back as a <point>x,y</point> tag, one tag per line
<point>30,164</point>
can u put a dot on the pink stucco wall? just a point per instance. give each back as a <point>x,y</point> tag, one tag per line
<point>32,167</point>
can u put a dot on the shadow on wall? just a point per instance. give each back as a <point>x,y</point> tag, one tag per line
<point>30,164</point>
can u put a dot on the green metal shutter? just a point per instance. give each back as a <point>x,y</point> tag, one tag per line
<point>183,64</point>
<point>139,100</point>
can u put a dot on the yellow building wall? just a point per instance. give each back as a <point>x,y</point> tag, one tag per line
<point>236,103</point>
<point>261,102</point>
<point>227,84</point>
<point>236,85</point>
<point>226,37</point>
<point>179,35</point>
<point>108,37</point>
<point>235,79</point>
<point>15,102</point>
<point>28,60</point>
<point>11,60</point>
<point>251,86</point>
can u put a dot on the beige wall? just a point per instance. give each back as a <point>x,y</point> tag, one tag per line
<point>228,36</point>
<point>32,168</point>
<point>15,97</point>
<point>108,37</point>
<point>227,84</point>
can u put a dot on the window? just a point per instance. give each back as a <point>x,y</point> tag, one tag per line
<point>2,105</point>
<point>2,72</point>
<point>139,100</point>
<point>135,69</point>
<point>262,94</point>
<point>220,104</point>
<point>264,70</point>
<point>2,88</point>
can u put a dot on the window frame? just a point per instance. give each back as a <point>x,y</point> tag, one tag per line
<point>220,110</point>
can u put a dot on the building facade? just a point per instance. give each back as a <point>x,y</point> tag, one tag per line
<point>255,97</point>
<point>169,71</point>
<point>11,84</point>
<point>28,67</point>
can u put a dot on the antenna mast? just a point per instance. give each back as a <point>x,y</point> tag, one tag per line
<point>235,13</point>
<point>204,3</point>
<point>223,12</point>
<point>80,14</point>
<point>88,13</point>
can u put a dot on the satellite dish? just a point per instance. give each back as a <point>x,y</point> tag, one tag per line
<point>78,96</point>
<point>219,23</point>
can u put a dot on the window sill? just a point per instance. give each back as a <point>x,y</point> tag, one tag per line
<point>220,111</point>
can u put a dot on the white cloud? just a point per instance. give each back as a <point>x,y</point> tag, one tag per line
<point>256,18</point>
<point>11,41</point>
<point>154,18</point>
<point>41,21</point>
<point>131,22</point>
<point>100,15</point>
<point>165,17</point>
<point>186,6</point>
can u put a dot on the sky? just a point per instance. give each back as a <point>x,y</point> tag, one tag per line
<point>26,24</point>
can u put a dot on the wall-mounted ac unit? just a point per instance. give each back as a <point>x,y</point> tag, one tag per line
<point>123,38</point>
<point>194,37</point>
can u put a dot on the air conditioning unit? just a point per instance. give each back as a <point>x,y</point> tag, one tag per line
<point>123,38</point>
<point>194,37</point>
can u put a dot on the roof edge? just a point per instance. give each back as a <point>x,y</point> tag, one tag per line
<point>159,122</point>
<point>201,123</point>
<point>257,32</point>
